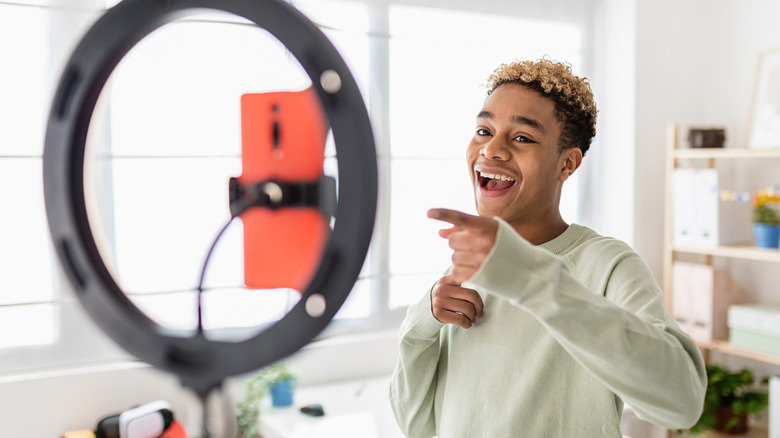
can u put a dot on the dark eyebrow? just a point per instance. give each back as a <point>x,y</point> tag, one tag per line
<point>485,115</point>
<point>519,120</point>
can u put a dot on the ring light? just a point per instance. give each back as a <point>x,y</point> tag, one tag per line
<point>201,363</point>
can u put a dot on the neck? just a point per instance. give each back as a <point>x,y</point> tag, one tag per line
<point>539,232</point>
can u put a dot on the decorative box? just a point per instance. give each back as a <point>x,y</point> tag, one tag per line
<point>755,327</point>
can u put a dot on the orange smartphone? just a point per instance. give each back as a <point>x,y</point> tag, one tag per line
<point>282,138</point>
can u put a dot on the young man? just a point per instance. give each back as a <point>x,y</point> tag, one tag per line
<point>539,328</point>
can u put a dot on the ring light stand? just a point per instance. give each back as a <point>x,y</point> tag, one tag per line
<point>201,363</point>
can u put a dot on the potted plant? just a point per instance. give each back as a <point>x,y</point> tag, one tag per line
<point>730,399</point>
<point>278,381</point>
<point>766,221</point>
<point>765,227</point>
<point>281,382</point>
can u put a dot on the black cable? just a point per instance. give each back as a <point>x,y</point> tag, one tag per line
<point>203,274</point>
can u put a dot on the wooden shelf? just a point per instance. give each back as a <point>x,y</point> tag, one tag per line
<point>704,153</point>
<point>752,433</point>
<point>746,252</point>
<point>726,347</point>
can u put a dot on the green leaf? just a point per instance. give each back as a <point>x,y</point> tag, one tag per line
<point>248,409</point>
<point>712,399</point>
<point>733,421</point>
<point>764,214</point>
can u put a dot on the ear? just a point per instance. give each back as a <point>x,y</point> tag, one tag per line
<point>571,159</point>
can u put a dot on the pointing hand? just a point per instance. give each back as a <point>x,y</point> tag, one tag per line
<point>471,239</point>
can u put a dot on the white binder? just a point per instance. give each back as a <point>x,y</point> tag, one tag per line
<point>706,208</point>
<point>774,407</point>
<point>683,207</point>
<point>700,218</point>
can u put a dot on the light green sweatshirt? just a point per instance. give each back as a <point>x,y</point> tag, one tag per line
<point>571,329</point>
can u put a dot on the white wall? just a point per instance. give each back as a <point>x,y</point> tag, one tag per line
<point>695,62</point>
<point>609,185</point>
<point>49,403</point>
<point>695,65</point>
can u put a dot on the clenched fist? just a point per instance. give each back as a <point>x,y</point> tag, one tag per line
<point>452,304</point>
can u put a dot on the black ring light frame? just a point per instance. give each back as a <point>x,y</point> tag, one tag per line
<point>202,364</point>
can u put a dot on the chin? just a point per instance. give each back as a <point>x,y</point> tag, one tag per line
<point>489,211</point>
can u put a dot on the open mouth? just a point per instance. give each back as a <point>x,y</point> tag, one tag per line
<point>492,182</point>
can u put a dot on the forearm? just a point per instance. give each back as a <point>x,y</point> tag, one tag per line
<point>629,343</point>
<point>654,367</point>
<point>413,384</point>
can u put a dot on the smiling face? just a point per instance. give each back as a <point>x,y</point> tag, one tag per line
<point>517,167</point>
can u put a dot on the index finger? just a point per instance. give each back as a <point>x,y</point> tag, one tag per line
<point>459,219</point>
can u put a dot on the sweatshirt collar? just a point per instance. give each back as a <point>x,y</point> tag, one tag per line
<point>564,240</point>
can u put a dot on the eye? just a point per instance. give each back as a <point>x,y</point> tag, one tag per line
<point>482,132</point>
<point>523,139</point>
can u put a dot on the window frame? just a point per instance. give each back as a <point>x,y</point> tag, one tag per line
<point>75,326</point>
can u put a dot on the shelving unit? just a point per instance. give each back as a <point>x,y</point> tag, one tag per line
<point>745,252</point>
<point>753,433</point>
<point>748,251</point>
<point>713,153</point>
<point>726,347</point>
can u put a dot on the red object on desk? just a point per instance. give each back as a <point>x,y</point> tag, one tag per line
<point>84,433</point>
<point>175,431</point>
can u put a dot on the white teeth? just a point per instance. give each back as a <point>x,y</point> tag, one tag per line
<point>495,176</point>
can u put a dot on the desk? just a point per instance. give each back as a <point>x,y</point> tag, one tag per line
<point>353,409</point>
<point>361,409</point>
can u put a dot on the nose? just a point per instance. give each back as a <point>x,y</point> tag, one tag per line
<point>495,149</point>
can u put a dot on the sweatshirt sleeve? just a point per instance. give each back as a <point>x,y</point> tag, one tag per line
<point>413,383</point>
<point>625,338</point>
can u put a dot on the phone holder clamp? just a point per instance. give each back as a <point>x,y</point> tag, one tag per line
<point>275,194</point>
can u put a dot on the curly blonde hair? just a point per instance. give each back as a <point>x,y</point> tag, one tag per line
<point>573,98</point>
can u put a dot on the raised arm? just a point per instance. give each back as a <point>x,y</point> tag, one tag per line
<point>624,337</point>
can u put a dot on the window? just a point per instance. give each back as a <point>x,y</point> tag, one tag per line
<point>433,105</point>
<point>27,284</point>
<point>172,143</point>
<point>172,127</point>
<point>165,138</point>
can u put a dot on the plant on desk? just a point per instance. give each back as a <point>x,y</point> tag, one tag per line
<point>277,380</point>
<point>730,398</point>
<point>281,382</point>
